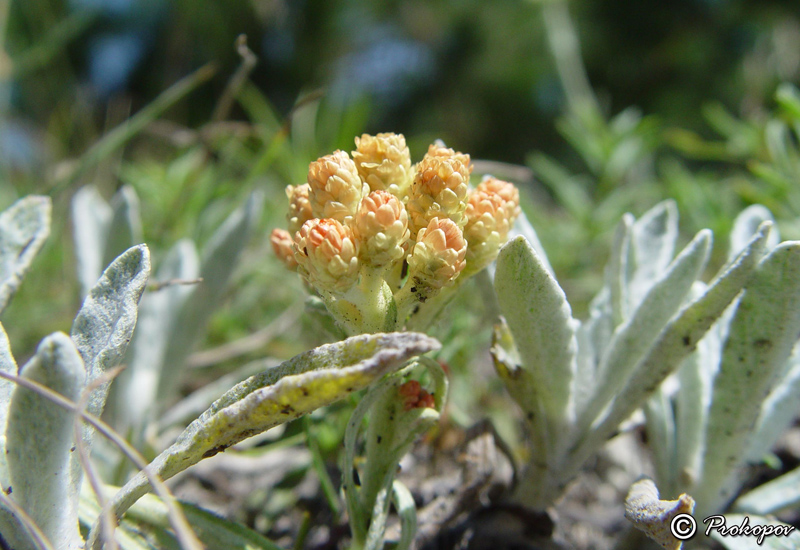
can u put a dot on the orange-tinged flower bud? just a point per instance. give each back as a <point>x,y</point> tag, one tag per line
<point>335,187</point>
<point>438,256</point>
<point>384,162</point>
<point>299,206</point>
<point>439,149</point>
<point>327,255</point>
<point>282,246</point>
<point>439,191</point>
<point>381,228</point>
<point>491,211</point>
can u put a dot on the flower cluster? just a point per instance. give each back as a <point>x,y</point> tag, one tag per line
<point>376,236</point>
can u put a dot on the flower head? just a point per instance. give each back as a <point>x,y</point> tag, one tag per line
<point>491,211</point>
<point>438,255</point>
<point>381,228</point>
<point>439,191</point>
<point>282,246</point>
<point>439,149</point>
<point>299,206</point>
<point>384,162</point>
<point>335,187</point>
<point>327,255</point>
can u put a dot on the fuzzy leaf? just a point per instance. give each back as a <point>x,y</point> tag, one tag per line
<point>523,227</point>
<point>632,340</point>
<point>678,339</point>
<point>746,225</point>
<point>91,218</point>
<point>761,336</point>
<point>156,327</point>
<point>105,322</point>
<point>220,257</point>
<point>778,411</point>
<point>661,437</point>
<point>40,439</point>
<point>652,247</point>
<point>125,227</point>
<point>23,229</point>
<point>9,366</point>
<point>540,319</point>
<point>790,542</point>
<point>298,386</point>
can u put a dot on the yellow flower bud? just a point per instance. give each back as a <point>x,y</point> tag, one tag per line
<point>438,149</point>
<point>438,256</point>
<point>327,255</point>
<point>299,206</point>
<point>336,188</point>
<point>439,191</point>
<point>491,211</point>
<point>384,162</point>
<point>381,228</point>
<point>282,246</point>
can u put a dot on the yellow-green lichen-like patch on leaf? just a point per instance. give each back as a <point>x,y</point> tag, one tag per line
<point>23,229</point>
<point>298,386</point>
<point>653,516</point>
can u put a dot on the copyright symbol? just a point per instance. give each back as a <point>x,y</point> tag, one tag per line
<point>683,527</point>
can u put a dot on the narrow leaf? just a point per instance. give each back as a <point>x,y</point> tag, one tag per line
<point>779,494</point>
<point>541,322</point>
<point>678,339</point>
<point>298,386</point>
<point>522,226</point>
<point>761,336</point>
<point>155,332</point>
<point>407,510</point>
<point>661,437</point>
<point>91,218</point>
<point>105,322</point>
<point>23,229</point>
<point>40,439</point>
<point>125,226</point>
<point>746,225</point>
<point>9,366</point>
<point>633,339</point>
<point>652,247</point>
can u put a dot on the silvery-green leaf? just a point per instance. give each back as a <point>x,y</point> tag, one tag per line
<point>746,225</point>
<point>678,339</point>
<point>633,339</point>
<point>692,400</point>
<point>762,334</point>
<point>778,411</point>
<point>138,385</point>
<point>24,227</point>
<point>593,336</point>
<point>790,542</point>
<point>9,366</point>
<point>220,257</point>
<point>125,226</point>
<point>540,319</point>
<point>617,268</point>
<point>652,246</point>
<point>40,438</point>
<point>103,327</point>
<point>781,493</point>
<point>91,217</point>
<point>522,226</point>
<point>661,438</point>
<point>298,386</point>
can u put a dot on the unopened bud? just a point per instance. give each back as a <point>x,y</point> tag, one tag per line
<point>381,228</point>
<point>439,191</point>
<point>335,187</point>
<point>299,206</point>
<point>384,163</point>
<point>491,211</point>
<point>282,245</point>
<point>438,256</point>
<point>327,255</point>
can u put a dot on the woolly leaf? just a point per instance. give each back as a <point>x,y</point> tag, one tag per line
<point>23,229</point>
<point>298,386</point>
